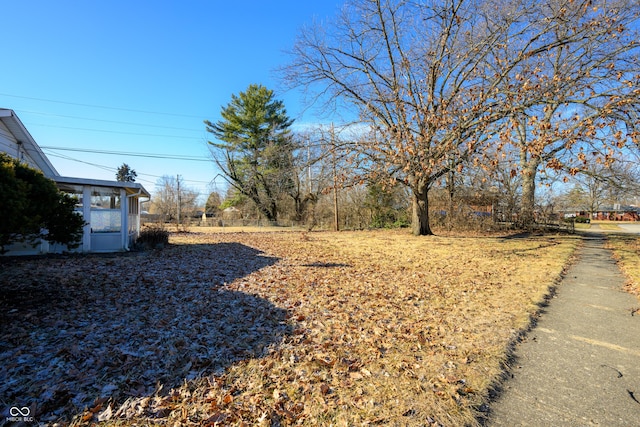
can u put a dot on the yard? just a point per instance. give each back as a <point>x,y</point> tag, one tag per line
<point>288,328</point>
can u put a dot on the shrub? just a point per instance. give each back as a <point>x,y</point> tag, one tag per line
<point>578,219</point>
<point>152,236</point>
<point>32,208</point>
<point>402,223</point>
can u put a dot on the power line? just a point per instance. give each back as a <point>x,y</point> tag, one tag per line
<point>124,153</point>
<point>118,132</point>
<point>112,169</point>
<point>62,156</point>
<point>101,106</point>
<point>108,121</point>
<point>107,168</point>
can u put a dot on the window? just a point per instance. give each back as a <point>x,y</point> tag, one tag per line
<point>75,191</point>
<point>105,210</point>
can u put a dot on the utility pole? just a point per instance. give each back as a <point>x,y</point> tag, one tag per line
<point>309,164</point>
<point>336,222</point>
<point>179,201</point>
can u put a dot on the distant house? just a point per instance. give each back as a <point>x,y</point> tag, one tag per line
<point>616,212</point>
<point>111,209</point>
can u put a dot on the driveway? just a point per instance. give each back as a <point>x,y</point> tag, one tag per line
<point>630,227</point>
<point>623,227</point>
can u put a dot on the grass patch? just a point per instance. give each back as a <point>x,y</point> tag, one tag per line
<point>606,224</point>
<point>387,328</point>
<point>609,226</point>
<point>582,226</point>
<point>626,250</point>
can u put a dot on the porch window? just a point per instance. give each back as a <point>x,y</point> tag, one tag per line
<point>76,191</point>
<point>105,210</point>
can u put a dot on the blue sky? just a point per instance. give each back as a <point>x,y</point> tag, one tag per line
<point>138,76</point>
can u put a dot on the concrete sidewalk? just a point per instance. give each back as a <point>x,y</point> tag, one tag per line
<point>580,365</point>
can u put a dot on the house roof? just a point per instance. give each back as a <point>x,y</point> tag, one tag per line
<point>28,145</point>
<point>615,208</point>
<point>26,142</point>
<point>619,208</point>
<point>130,187</point>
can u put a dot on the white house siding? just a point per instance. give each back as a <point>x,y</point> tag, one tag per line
<point>25,249</point>
<point>108,228</point>
<point>9,145</point>
<point>17,142</point>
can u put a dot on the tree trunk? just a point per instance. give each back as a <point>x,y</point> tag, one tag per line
<point>420,211</point>
<point>268,209</point>
<point>273,211</point>
<point>451,190</point>
<point>299,207</point>
<point>269,213</point>
<point>527,204</point>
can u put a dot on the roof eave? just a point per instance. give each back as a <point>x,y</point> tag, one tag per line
<point>22,135</point>
<point>134,187</point>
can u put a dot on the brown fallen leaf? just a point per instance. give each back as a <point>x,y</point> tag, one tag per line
<point>382,315</point>
<point>356,375</point>
<point>324,388</point>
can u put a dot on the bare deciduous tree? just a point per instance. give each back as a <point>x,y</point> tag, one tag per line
<point>574,96</point>
<point>173,201</point>
<point>598,185</point>
<point>428,77</point>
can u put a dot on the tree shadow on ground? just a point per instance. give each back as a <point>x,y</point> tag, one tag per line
<point>78,330</point>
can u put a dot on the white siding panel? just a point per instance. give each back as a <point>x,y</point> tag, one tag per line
<point>9,145</point>
<point>7,141</point>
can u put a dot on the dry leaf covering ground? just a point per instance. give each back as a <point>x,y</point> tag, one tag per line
<point>626,250</point>
<point>351,328</point>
